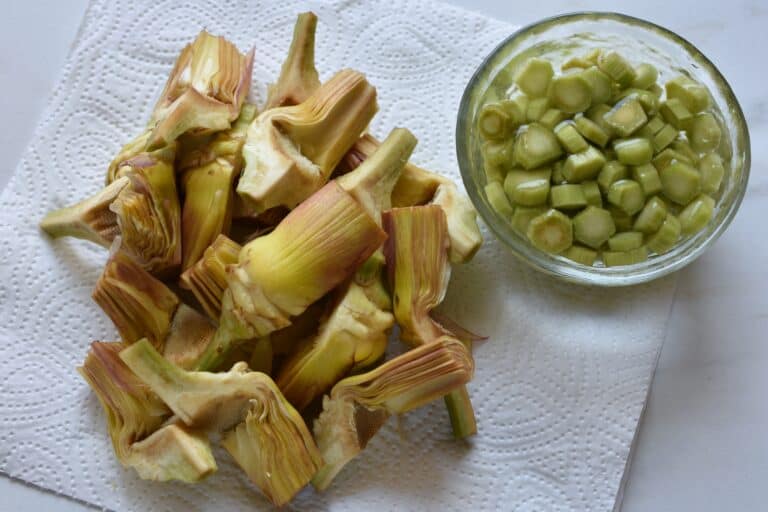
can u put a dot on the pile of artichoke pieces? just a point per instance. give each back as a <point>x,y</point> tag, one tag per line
<point>258,263</point>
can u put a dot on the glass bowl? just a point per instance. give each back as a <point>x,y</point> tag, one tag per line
<point>565,36</point>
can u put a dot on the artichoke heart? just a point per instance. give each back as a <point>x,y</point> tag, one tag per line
<point>291,151</point>
<point>204,92</point>
<point>135,417</point>
<point>298,77</point>
<point>314,249</point>
<point>358,406</point>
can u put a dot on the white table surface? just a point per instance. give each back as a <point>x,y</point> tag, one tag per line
<point>702,444</point>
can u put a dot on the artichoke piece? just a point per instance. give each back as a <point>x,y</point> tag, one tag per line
<point>190,334</point>
<point>298,76</point>
<point>130,150</point>
<point>134,418</point>
<point>207,279</point>
<point>138,304</point>
<point>290,152</point>
<point>204,92</point>
<point>148,211</point>
<point>275,449</point>
<point>314,249</point>
<point>417,263</point>
<point>90,219</point>
<point>269,440</point>
<point>358,406</point>
<point>353,336</point>
<point>417,186</point>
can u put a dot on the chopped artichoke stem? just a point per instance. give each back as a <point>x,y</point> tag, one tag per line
<point>591,191</point>
<point>647,100</point>
<point>140,305</point>
<point>570,138</point>
<point>583,166</point>
<point>614,65</point>
<point>621,219</point>
<point>611,172</point>
<point>498,200</point>
<point>531,193</point>
<point>493,122</point>
<point>674,112</point>
<point>551,118</point>
<point>567,197</point>
<point>593,226</point>
<point>697,214</point>
<point>591,131</point>
<point>651,217</point>
<point>576,63</point>
<point>656,90</point>
<point>627,195</point>
<point>358,406</point>
<point>581,254</point>
<point>648,178</point>
<point>684,148</point>
<point>692,95</point>
<point>90,219</point>
<point>621,258</point>
<point>669,155</point>
<point>523,215</point>
<point>666,237</point>
<point>704,132</point>
<point>516,177</point>
<point>635,151</point>
<point>593,55</point>
<point>536,146</point>
<point>680,182</point>
<point>207,279</point>
<point>515,111</point>
<point>557,173</point>
<point>626,117</point>
<point>625,241</point>
<point>597,113</point>
<point>600,84</point>
<point>664,137</point>
<point>536,109</point>
<point>712,172</point>
<point>497,153</point>
<point>551,232</point>
<point>652,127</point>
<point>571,93</point>
<point>461,413</point>
<point>298,76</point>
<point>645,76</point>
<point>492,173</point>
<point>534,77</point>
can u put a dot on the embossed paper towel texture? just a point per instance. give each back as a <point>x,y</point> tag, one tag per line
<point>559,386</point>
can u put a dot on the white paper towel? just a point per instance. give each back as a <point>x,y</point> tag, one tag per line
<point>559,386</point>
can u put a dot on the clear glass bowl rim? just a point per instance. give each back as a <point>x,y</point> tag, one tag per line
<point>600,276</point>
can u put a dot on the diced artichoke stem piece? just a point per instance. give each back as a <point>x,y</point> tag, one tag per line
<point>666,237</point>
<point>371,184</point>
<point>207,211</point>
<point>583,166</point>
<point>190,333</point>
<point>627,195</point>
<point>148,211</point>
<point>534,77</point>
<point>611,172</point>
<point>290,152</point>
<point>651,217</point>
<point>626,241</point>
<point>204,92</point>
<point>316,247</point>
<point>634,151</point>
<point>173,452</point>
<point>461,413</point>
<point>551,232</point>
<point>536,146</point>
<point>712,172</point>
<point>207,279</point>
<point>691,94</point>
<point>626,117</point>
<point>697,214</point>
<point>571,93</point>
<point>591,130</point>
<point>353,335</point>
<point>616,67</point>
<point>275,449</point>
<point>581,255</point>
<point>593,226</point>
<point>139,305</point>
<point>568,197</point>
<point>135,416</point>
<point>645,76</point>
<point>619,258</point>
<point>704,132</point>
<point>298,76</point>
<point>358,406</point>
<point>90,219</point>
<point>680,182</point>
<point>494,122</point>
<point>536,108</point>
